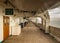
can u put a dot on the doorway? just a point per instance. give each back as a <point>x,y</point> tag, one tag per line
<point>5,27</point>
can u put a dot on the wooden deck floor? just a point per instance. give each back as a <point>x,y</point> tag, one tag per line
<point>31,34</point>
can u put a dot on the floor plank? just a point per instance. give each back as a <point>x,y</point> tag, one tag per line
<point>31,34</point>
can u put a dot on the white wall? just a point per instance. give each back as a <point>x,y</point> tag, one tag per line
<point>11,24</point>
<point>21,19</point>
<point>33,19</point>
<point>15,28</point>
<point>39,20</point>
<point>1,23</point>
<point>2,12</point>
<point>55,17</point>
<point>1,28</point>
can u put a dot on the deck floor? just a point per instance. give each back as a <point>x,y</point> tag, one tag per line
<point>31,34</point>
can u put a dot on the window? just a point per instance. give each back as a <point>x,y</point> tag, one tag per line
<point>55,16</point>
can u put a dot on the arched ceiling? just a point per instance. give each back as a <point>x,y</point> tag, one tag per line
<point>33,4</point>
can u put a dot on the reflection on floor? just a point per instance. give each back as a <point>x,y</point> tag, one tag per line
<point>31,34</point>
